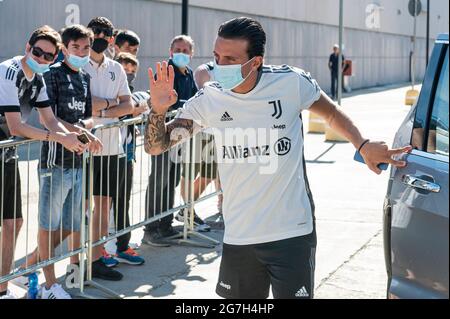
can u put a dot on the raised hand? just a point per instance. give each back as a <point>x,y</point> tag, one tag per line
<point>162,94</point>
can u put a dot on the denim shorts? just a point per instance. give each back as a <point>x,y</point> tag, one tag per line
<point>60,195</point>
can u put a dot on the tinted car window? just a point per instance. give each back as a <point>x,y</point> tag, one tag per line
<point>438,134</point>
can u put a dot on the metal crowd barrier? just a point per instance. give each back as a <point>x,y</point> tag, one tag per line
<point>147,203</point>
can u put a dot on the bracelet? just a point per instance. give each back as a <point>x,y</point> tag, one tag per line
<point>47,137</point>
<point>107,103</point>
<point>363,143</point>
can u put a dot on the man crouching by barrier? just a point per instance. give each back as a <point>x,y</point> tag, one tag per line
<point>22,87</point>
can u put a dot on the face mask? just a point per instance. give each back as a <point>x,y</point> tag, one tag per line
<point>181,60</point>
<point>131,77</point>
<point>37,67</point>
<point>229,76</point>
<point>99,45</point>
<point>77,62</point>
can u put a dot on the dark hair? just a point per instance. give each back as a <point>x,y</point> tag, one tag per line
<point>101,22</point>
<point>247,29</point>
<point>125,57</point>
<point>45,33</point>
<point>76,32</point>
<point>129,36</point>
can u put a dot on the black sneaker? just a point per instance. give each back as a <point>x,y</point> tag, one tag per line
<point>154,238</point>
<point>100,270</point>
<point>199,224</point>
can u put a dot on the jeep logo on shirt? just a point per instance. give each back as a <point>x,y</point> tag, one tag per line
<point>282,146</point>
<point>76,105</point>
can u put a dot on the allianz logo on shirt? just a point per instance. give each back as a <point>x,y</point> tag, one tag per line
<point>281,147</point>
<point>76,105</point>
<point>235,152</point>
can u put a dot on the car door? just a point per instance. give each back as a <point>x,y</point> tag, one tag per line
<point>418,195</point>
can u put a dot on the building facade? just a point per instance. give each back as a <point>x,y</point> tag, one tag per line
<point>377,33</point>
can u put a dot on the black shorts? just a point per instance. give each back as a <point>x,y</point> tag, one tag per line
<point>10,191</point>
<point>108,176</point>
<point>248,271</point>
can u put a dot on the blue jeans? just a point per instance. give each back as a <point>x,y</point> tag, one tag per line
<point>60,195</point>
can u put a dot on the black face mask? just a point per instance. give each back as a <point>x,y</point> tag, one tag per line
<point>99,45</point>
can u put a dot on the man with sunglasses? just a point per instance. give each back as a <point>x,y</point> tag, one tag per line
<point>111,99</point>
<point>22,87</point>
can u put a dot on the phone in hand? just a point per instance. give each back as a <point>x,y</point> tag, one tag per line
<point>358,157</point>
<point>83,138</point>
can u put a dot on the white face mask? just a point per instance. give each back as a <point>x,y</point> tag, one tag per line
<point>230,76</point>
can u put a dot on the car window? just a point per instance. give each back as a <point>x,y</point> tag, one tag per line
<point>438,128</point>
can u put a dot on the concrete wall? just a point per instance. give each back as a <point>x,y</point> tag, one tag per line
<point>394,16</point>
<point>300,32</point>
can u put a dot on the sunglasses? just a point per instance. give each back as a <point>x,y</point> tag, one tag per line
<point>108,32</point>
<point>37,51</point>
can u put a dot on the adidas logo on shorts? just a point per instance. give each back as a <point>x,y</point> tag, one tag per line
<point>226,117</point>
<point>302,292</point>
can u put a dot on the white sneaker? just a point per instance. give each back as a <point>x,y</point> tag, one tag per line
<point>56,291</point>
<point>9,295</point>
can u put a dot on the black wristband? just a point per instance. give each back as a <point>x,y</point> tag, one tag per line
<point>363,143</point>
<point>107,103</point>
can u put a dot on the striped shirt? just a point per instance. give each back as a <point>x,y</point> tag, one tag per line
<point>70,98</point>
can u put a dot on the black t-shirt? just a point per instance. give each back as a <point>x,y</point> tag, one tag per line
<point>70,99</point>
<point>184,85</point>
<point>334,61</point>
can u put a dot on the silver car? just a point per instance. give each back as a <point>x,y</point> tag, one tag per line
<point>416,229</point>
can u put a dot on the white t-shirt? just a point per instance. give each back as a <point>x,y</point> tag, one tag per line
<point>108,81</point>
<point>262,170</point>
<point>19,94</point>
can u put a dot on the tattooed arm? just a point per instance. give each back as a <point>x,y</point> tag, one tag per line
<point>159,137</point>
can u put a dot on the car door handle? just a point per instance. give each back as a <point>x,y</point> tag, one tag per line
<point>417,182</point>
